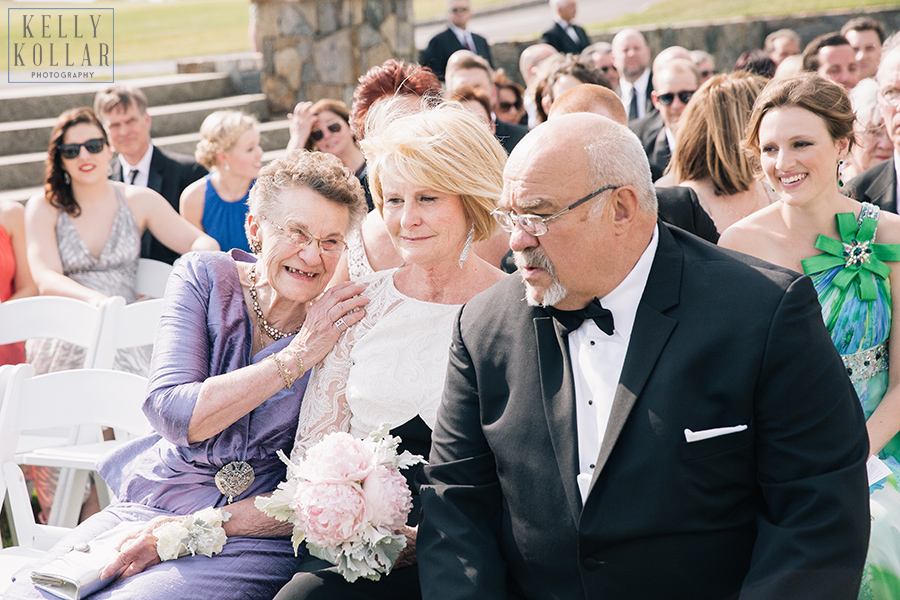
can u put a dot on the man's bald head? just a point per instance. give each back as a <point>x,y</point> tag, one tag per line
<point>590,98</point>
<point>531,58</point>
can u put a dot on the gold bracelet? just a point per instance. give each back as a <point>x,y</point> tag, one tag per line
<point>286,376</point>
<point>293,352</point>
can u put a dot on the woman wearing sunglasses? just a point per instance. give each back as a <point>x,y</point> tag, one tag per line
<point>707,156</point>
<point>84,232</point>
<point>229,148</point>
<point>325,126</point>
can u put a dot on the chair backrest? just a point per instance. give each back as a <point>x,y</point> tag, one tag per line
<point>66,398</point>
<point>126,326</point>
<point>54,317</point>
<point>152,276</point>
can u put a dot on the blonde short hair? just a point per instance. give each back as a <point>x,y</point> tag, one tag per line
<point>445,148</point>
<point>219,132</point>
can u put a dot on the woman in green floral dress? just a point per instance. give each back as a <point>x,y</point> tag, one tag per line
<point>801,129</point>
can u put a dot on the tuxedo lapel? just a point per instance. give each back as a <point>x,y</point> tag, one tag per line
<point>157,166</point>
<point>651,331</point>
<point>558,392</point>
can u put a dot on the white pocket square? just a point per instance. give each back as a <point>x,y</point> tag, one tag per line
<point>696,436</point>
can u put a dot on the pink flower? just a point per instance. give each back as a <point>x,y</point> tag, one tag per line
<point>388,499</point>
<point>329,513</point>
<point>338,458</point>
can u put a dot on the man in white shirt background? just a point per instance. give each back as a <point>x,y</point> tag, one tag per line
<point>632,58</point>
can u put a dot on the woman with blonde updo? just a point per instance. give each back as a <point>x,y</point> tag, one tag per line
<point>229,148</point>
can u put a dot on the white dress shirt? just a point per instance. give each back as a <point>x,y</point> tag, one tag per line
<point>639,87</point>
<point>897,177</point>
<point>597,361</point>
<point>143,168</point>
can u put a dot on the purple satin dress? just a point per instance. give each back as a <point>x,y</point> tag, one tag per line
<point>205,330</point>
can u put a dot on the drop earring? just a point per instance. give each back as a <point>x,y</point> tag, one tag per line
<point>467,247</point>
<point>255,245</point>
<point>841,166</point>
<point>66,178</point>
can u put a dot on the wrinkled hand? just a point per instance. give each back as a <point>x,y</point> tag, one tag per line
<point>407,556</point>
<point>137,552</point>
<point>320,332</point>
<point>301,123</point>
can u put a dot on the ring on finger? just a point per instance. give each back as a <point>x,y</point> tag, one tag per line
<point>341,326</point>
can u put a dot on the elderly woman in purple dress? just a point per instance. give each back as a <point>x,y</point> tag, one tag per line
<point>237,338</point>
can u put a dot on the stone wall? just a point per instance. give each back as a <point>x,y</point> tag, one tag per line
<point>316,49</point>
<point>725,39</point>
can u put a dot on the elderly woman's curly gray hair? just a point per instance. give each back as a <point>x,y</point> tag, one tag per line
<point>322,173</point>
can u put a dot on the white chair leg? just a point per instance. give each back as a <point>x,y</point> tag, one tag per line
<point>68,498</point>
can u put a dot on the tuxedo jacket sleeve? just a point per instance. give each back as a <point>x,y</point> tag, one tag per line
<point>778,510</point>
<point>679,206</point>
<point>170,173</point>
<point>877,185</point>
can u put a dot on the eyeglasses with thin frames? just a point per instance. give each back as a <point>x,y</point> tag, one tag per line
<point>301,239</point>
<point>70,151</point>
<point>891,96</point>
<point>534,224</point>
<point>318,134</point>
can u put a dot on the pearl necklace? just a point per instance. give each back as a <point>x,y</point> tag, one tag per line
<point>272,332</point>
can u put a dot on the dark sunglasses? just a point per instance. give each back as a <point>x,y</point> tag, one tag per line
<point>508,106</point>
<point>94,146</point>
<point>318,134</point>
<point>667,99</point>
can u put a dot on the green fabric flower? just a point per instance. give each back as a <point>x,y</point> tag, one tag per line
<point>856,252</point>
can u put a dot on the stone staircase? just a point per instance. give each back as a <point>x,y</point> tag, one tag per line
<point>178,105</point>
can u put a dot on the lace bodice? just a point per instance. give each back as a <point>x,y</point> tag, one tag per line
<point>386,369</point>
<point>357,261</point>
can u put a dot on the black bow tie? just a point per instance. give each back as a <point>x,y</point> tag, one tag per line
<point>570,320</point>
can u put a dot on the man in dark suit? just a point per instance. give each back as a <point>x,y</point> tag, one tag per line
<point>123,111</point>
<point>696,438</point>
<point>467,70</point>
<point>878,184</point>
<point>565,35</point>
<point>674,82</point>
<point>455,37</point>
<point>632,58</point>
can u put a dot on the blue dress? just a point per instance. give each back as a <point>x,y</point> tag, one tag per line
<point>224,221</point>
<point>205,330</point>
<point>855,294</point>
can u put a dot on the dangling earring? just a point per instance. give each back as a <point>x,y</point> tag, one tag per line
<point>841,166</point>
<point>255,245</point>
<point>227,168</point>
<point>66,178</point>
<point>467,247</point>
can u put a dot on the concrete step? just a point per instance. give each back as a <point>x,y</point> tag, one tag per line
<point>27,136</point>
<point>21,174</point>
<point>28,103</point>
<point>23,194</point>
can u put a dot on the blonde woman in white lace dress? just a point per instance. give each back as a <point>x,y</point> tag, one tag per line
<point>435,177</point>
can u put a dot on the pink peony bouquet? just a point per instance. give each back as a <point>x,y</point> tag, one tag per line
<point>348,501</point>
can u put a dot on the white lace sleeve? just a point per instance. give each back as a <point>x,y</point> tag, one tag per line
<point>324,409</point>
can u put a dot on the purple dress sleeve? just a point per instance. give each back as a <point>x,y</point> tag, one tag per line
<point>204,330</point>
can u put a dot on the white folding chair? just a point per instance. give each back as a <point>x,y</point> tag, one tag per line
<point>85,398</point>
<point>56,317</point>
<point>152,276</point>
<point>126,326</point>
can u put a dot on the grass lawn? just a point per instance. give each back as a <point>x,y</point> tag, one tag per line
<point>683,11</point>
<point>155,30</point>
